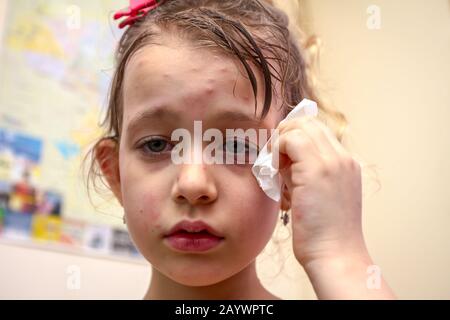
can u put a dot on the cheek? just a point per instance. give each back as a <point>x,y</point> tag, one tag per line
<point>144,208</point>
<point>143,202</point>
<point>255,213</point>
<point>142,196</point>
<point>260,215</point>
<point>254,218</point>
<point>150,212</point>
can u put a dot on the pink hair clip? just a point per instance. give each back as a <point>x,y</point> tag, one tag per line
<point>136,10</point>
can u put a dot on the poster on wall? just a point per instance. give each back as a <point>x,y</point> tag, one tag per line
<point>28,212</point>
<point>54,87</point>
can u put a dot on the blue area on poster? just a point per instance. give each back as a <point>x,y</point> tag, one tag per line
<point>21,145</point>
<point>18,223</point>
<point>67,150</point>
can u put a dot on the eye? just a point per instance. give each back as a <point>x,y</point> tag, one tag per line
<point>241,149</point>
<point>236,146</point>
<point>155,146</point>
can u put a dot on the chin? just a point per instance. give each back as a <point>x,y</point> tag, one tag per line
<point>198,281</point>
<point>195,275</point>
<point>198,277</point>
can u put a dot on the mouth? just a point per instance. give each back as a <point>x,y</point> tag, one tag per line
<point>194,236</point>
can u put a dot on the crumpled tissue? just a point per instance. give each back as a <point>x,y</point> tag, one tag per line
<point>263,170</point>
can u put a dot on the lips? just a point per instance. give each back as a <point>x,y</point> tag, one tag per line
<point>193,236</point>
<point>190,227</point>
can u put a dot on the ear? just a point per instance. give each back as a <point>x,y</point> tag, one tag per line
<point>107,156</point>
<point>285,198</point>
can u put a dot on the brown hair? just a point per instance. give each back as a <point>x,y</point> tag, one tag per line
<point>253,31</point>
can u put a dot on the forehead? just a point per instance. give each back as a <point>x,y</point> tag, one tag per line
<point>174,73</point>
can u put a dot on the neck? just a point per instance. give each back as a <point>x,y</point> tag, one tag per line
<point>244,285</point>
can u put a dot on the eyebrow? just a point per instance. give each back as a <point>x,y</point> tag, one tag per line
<point>166,115</point>
<point>160,114</point>
<point>236,116</point>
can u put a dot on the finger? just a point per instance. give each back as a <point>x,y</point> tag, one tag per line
<point>332,138</point>
<point>285,126</point>
<point>284,162</point>
<point>297,146</point>
<point>316,133</point>
<point>293,123</point>
<point>327,144</point>
<point>320,138</point>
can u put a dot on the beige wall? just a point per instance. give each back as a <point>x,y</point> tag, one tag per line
<point>393,84</point>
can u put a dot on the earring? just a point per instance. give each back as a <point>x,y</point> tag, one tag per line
<point>284,217</point>
<point>124,220</point>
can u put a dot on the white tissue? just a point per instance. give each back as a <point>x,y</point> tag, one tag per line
<point>267,176</point>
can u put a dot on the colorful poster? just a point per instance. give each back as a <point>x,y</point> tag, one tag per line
<point>122,243</point>
<point>56,61</point>
<point>55,73</point>
<point>97,239</point>
<point>72,232</point>
<point>46,228</point>
<point>20,156</point>
<point>17,226</point>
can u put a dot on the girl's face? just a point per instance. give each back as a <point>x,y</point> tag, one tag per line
<point>167,87</point>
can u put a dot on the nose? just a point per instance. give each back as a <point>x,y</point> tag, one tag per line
<point>194,185</point>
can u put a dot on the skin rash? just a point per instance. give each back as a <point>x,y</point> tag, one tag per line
<point>169,86</point>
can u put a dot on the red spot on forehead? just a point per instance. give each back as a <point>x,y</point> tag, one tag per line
<point>209,90</point>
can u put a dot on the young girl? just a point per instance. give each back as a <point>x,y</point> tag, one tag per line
<point>231,64</point>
